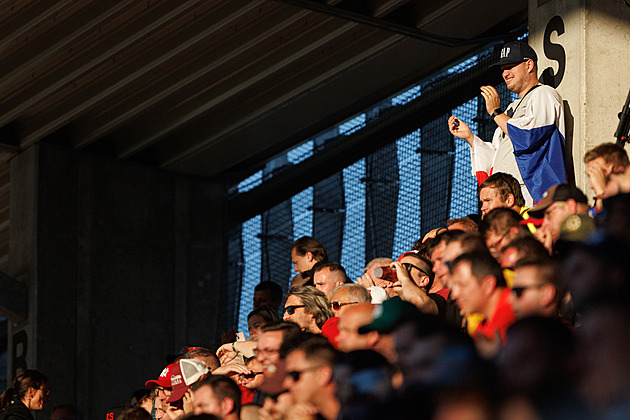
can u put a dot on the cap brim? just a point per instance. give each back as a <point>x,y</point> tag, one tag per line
<point>157,382</point>
<point>501,63</point>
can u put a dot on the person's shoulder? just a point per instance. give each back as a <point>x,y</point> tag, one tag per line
<point>546,91</point>
<point>17,412</point>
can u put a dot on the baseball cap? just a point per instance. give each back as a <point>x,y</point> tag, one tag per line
<point>163,380</point>
<point>389,314</point>
<point>559,192</point>
<point>515,52</point>
<point>184,374</point>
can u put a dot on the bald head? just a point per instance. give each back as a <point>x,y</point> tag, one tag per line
<point>350,321</point>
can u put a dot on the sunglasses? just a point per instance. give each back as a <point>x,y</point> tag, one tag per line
<point>291,309</point>
<point>295,374</point>
<point>250,375</point>
<point>409,266</point>
<point>518,290</point>
<point>338,305</point>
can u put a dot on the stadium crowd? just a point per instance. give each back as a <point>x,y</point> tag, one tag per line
<point>519,313</point>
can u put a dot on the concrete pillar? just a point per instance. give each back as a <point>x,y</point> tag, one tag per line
<point>583,49</point>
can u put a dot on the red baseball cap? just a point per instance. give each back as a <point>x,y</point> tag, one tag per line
<point>164,378</point>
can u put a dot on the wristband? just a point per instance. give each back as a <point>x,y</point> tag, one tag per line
<point>234,347</point>
<point>496,112</point>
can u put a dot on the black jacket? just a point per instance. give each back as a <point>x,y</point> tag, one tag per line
<point>16,411</point>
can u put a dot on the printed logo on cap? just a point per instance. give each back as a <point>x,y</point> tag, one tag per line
<point>176,380</point>
<point>505,51</point>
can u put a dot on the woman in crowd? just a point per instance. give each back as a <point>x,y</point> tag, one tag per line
<point>29,392</point>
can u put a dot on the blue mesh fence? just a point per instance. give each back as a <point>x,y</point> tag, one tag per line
<point>375,207</point>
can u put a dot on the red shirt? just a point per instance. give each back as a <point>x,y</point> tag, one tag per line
<point>331,331</point>
<point>444,293</point>
<point>501,319</point>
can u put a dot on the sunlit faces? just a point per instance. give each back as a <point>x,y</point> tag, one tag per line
<point>350,321</point>
<point>490,200</point>
<point>555,214</point>
<point>296,313</point>
<point>343,301</point>
<point>451,251</point>
<point>517,76</point>
<point>302,377</point>
<point>302,263</point>
<point>437,256</point>
<point>325,281</point>
<point>466,290</point>
<point>529,295</point>
<point>495,242</point>
<point>254,323</point>
<point>268,348</point>
<point>416,270</point>
<point>37,397</point>
<point>205,402</point>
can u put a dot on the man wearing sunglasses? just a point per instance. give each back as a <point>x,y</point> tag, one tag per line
<point>529,141</point>
<point>308,308</point>
<point>415,279</point>
<point>310,379</point>
<point>536,289</point>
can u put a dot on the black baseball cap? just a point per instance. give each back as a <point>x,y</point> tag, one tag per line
<point>559,192</point>
<point>515,52</point>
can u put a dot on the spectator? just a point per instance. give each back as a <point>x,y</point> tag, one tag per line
<point>309,378</point>
<point>535,364</point>
<point>601,162</point>
<point>327,276</point>
<point>270,341</point>
<point>258,318</point>
<point>478,286</point>
<point>346,295</point>
<point>521,246</point>
<point>217,395</point>
<point>465,224</point>
<point>529,141</point>
<point>364,380</point>
<point>559,202</point>
<point>306,252</point>
<point>499,227</point>
<point>500,190</point>
<point>536,289</point>
<point>415,279</point>
<point>370,282</point>
<point>133,413</point>
<point>28,392</point>
<point>269,294</point>
<point>207,356</point>
<point>308,308</point>
<point>350,321</point>
<point>71,412</point>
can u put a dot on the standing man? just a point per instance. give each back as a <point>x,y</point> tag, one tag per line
<point>306,252</point>
<point>529,141</point>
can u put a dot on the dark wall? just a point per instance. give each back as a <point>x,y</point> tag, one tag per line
<point>123,265</point>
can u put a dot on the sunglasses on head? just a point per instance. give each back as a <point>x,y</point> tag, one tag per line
<point>291,309</point>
